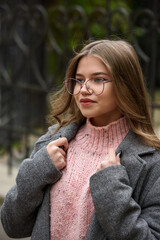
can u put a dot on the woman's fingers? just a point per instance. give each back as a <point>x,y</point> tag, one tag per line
<point>112,159</point>
<point>61,142</point>
<point>56,150</point>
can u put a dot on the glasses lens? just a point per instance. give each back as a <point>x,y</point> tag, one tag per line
<point>72,86</point>
<point>95,85</point>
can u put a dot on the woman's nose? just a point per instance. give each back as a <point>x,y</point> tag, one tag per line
<point>84,89</point>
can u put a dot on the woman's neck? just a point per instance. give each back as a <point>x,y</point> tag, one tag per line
<point>101,122</point>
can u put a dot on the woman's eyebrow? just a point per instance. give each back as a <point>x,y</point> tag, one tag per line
<point>95,74</point>
<point>100,73</point>
<point>78,74</point>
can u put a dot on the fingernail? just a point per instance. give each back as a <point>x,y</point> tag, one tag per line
<point>120,154</point>
<point>62,147</point>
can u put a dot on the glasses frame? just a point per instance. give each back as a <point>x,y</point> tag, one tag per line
<point>84,83</point>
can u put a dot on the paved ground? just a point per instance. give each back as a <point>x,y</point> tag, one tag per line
<point>6,182</point>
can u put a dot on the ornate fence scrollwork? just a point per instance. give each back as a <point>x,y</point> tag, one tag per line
<point>22,76</point>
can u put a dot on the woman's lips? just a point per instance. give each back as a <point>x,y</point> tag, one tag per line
<point>86,102</point>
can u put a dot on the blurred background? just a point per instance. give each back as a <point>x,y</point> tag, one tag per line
<point>37,39</point>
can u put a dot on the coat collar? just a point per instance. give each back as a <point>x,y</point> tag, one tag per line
<point>132,144</point>
<point>69,132</point>
<point>133,151</point>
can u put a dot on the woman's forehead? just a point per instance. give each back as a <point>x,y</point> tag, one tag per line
<point>91,64</point>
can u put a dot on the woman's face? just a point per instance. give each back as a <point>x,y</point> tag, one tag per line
<point>101,109</point>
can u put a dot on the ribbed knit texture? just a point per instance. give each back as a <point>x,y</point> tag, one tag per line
<point>71,201</point>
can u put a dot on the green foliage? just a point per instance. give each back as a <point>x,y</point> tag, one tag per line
<point>86,20</point>
<point>2,151</point>
<point>71,23</point>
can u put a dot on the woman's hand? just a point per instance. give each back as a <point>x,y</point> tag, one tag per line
<point>111,160</point>
<point>56,150</point>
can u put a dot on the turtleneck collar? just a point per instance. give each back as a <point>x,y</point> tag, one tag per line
<point>99,139</point>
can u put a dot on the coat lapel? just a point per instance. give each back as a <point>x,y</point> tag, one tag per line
<point>132,151</point>
<point>69,132</point>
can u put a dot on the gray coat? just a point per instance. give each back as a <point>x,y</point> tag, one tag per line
<point>126,197</point>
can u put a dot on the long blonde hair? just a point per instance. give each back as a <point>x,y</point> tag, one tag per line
<point>123,65</point>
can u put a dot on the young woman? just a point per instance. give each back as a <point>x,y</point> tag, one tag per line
<point>96,174</point>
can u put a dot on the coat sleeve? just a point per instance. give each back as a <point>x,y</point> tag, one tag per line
<point>119,216</point>
<point>20,207</point>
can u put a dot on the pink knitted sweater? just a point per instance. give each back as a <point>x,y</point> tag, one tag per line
<point>70,198</point>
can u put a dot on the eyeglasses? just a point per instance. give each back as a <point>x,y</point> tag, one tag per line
<point>94,86</point>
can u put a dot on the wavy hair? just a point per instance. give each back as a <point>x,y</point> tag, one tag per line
<point>125,71</point>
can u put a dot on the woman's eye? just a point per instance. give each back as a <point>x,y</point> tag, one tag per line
<point>98,80</point>
<point>80,80</point>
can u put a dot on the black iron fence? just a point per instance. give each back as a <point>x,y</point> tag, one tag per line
<point>35,46</point>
